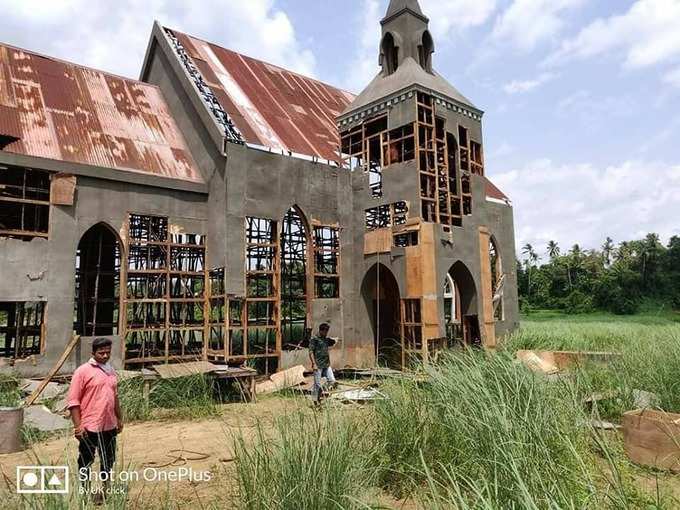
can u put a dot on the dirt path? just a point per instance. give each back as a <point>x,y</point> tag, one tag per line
<point>207,446</point>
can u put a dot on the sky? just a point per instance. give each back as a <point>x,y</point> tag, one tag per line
<point>581,97</point>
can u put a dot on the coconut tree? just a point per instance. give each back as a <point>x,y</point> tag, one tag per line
<point>608,250</point>
<point>532,258</point>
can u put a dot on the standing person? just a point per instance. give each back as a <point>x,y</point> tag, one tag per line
<point>321,362</point>
<point>95,411</point>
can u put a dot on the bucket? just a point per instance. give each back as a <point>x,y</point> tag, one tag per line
<point>11,420</point>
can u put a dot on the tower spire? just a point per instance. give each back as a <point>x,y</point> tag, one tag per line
<point>398,6</point>
<point>405,35</point>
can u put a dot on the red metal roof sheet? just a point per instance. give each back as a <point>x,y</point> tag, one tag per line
<point>493,192</point>
<point>271,106</point>
<point>66,112</point>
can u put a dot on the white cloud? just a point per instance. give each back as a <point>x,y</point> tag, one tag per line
<point>647,34</point>
<point>584,203</point>
<point>524,86</point>
<point>526,23</point>
<point>453,15</point>
<point>364,65</point>
<point>112,36</point>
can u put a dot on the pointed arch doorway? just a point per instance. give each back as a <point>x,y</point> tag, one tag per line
<point>97,293</point>
<point>462,298</point>
<point>380,292</point>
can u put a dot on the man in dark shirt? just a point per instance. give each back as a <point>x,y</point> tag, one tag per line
<point>321,362</point>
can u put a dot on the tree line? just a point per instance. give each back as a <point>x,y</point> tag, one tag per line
<point>615,278</point>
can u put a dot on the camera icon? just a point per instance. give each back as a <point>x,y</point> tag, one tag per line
<point>42,479</point>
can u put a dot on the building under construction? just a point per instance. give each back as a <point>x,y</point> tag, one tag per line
<point>221,207</point>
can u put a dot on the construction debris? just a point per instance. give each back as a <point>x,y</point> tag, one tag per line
<point>645,399</point>
<point>124,375</point>
<point>533,361</point>
<point>599,397</point>
<point>184,369</point>
<point>359,395</point>
<point>51,390</point>
<point>552,362</point>
<point>75,339</point>
<point>600,424</point>
<point>41,418</point>
<point>652,438</point>
<point>287,379</point>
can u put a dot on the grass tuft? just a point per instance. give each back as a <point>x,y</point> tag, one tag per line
<point>309,462</point>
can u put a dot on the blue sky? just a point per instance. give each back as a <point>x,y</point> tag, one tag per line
<point>582,97</point>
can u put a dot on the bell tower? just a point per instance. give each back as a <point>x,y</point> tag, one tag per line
<point>405,35</point>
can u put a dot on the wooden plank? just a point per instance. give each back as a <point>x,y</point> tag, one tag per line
<point>652,438</point>
<point>378,241</point>
<point>64,356</point>
<point>24,233</point>
<point>184,369</point>
<point>281,380</point>
<point>414,274</point>
<point>489,322</point>
<point>62,189</point>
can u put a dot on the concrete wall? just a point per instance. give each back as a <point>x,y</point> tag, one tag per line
<point>266,185</point>
<point>44,270</point>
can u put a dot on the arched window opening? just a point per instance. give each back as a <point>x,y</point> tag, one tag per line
<point>452,315</point>
<point>294,249</point>
<point>497,281</point>
<point>425,51</point>
<point>97,283</point>
<point>389,55</point>
<point>451,305</point>
<point>465,328</point>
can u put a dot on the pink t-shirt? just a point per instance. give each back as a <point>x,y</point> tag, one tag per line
<point>94,391</point>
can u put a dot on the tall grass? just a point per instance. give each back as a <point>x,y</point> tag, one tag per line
<point>650,355</point>
<point>309,462</point>
<point>189,397</point>
<point>482,432</point>
<point>492,427</point>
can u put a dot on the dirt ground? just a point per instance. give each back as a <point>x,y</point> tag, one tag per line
<point>204,445</point>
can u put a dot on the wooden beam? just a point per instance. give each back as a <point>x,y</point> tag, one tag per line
<point>64,356</point>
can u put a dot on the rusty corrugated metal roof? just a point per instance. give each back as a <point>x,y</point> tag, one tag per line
<point>66,112</point>
<point>271,106</point>
<point>492,191</point>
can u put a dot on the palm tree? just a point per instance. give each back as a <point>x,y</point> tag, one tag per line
<point>532,258</point>
<point>649,250</point>
<point>608,250</point>
<point>624,252</point>
<point>553,250</point>
<point>573,262</point>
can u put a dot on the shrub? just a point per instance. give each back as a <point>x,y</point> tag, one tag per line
<point>577,302</point>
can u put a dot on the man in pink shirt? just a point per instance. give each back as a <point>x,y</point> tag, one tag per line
<point>95,411</point>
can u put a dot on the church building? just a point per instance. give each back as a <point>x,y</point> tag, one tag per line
<point>220,208</point>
